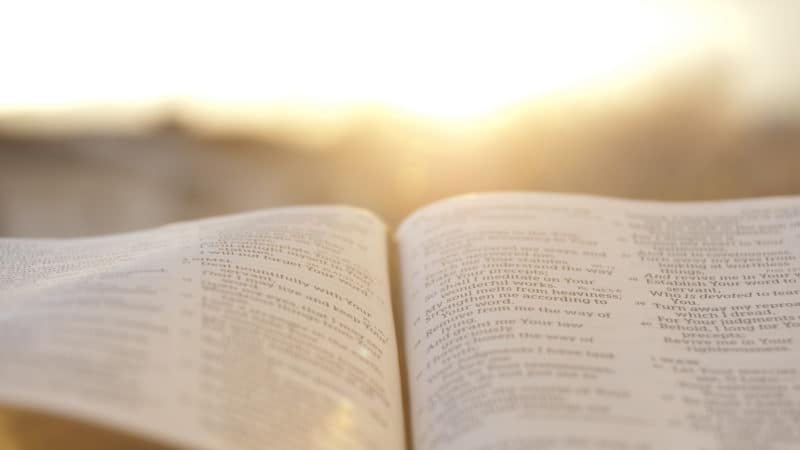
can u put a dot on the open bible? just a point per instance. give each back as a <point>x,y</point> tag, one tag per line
<point>512,321</point>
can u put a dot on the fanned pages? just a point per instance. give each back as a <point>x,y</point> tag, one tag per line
<point>265,330</point>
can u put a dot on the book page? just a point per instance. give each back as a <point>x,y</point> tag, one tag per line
<point>558,322</point>
<point>264,330</point>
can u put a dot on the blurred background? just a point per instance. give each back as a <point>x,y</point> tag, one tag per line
<point>123,115</point>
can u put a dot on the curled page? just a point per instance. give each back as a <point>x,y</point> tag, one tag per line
<point>264,330</point>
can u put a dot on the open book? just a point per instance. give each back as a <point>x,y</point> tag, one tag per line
<point>520,321</point>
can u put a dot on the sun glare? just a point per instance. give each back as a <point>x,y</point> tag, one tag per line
<point>445,60</point>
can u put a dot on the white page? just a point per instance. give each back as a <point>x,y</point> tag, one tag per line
<point>546,321</point>
<point>264,330</point>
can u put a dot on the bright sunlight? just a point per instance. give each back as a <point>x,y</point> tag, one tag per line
<point>443,60</point>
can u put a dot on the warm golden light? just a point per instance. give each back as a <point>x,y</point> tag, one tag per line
<point>447,60</point>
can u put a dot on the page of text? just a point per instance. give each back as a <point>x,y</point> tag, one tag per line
<point>264,330</point>
<point>558,322</point>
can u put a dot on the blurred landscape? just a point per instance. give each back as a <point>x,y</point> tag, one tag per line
<point>685,140</point>
<point>218,108</point>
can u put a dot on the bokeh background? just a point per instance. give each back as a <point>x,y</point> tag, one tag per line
<point>122,115</point>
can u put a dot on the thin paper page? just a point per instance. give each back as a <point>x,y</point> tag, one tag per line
<point>558,322</point>
<point>264,330</point>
